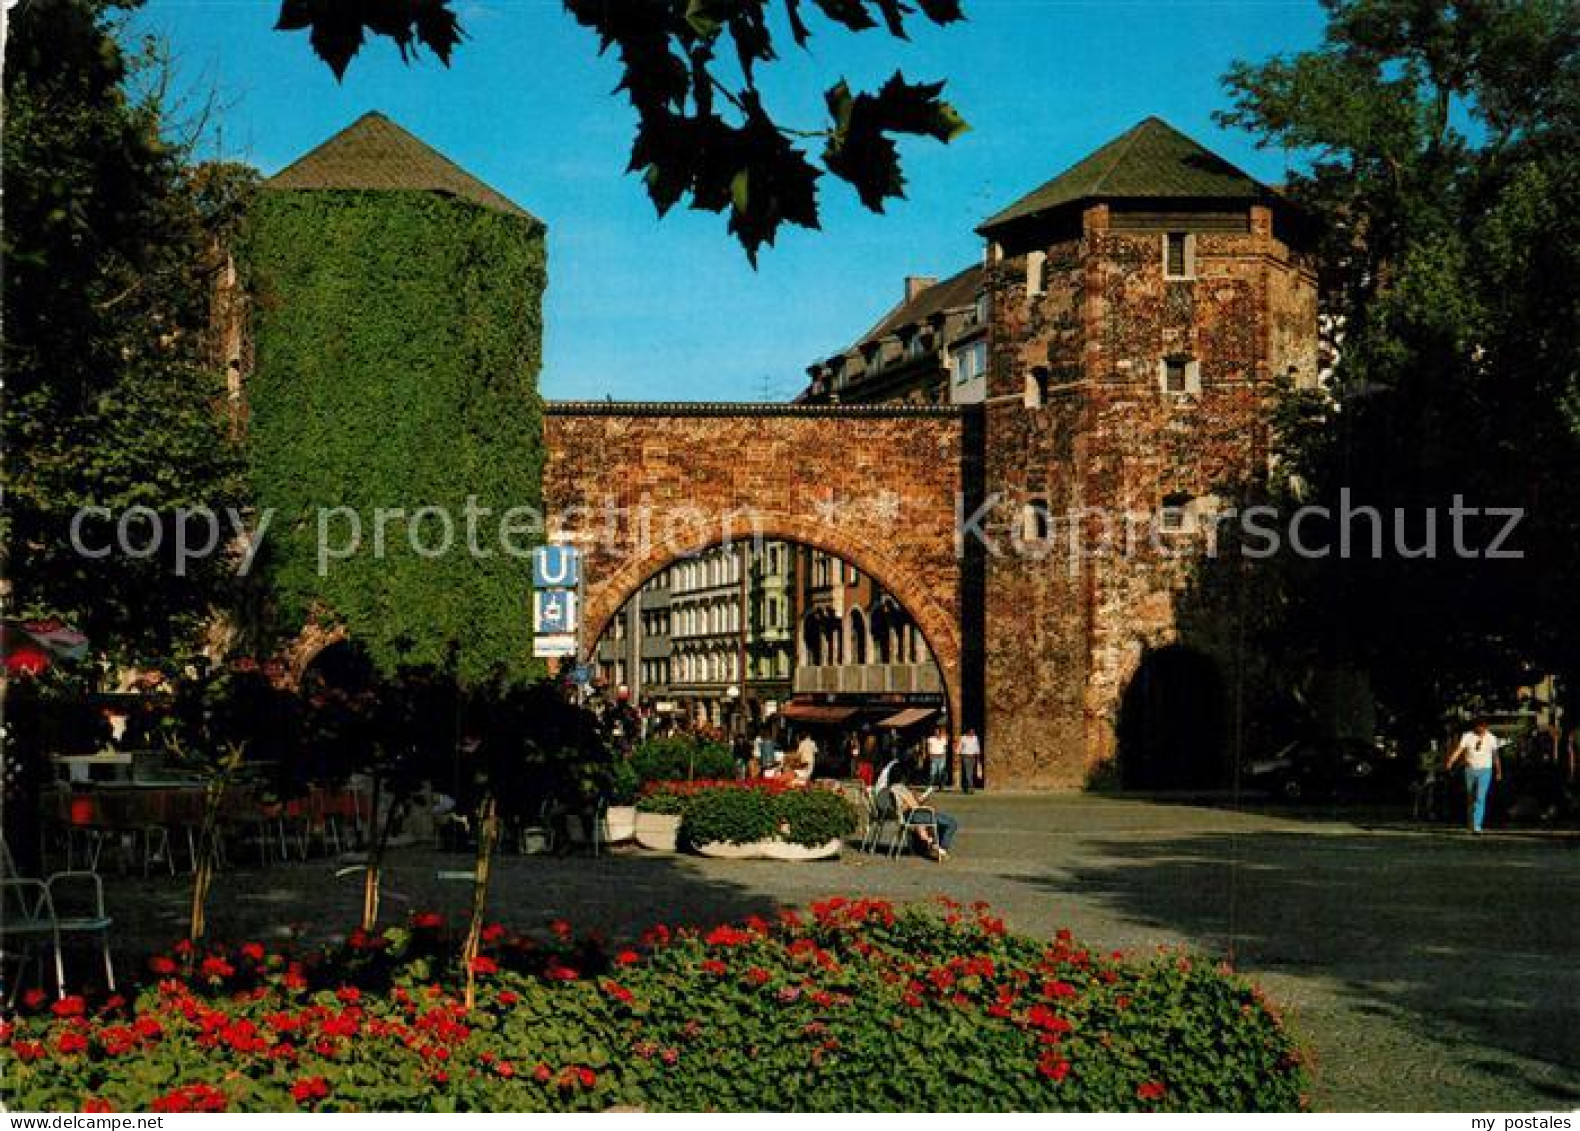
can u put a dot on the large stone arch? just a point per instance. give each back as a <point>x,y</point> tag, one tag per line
<point>875,485</point>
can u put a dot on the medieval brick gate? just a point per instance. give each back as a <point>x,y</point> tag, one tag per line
<point>638,485</point>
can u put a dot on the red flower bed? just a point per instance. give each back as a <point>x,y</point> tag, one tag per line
<point>842,1009</point>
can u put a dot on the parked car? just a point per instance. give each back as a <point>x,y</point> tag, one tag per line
<point>1331,769</point>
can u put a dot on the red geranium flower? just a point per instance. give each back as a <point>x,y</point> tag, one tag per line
<point>33,998</point>
<point>309,1090</point>
<point>72,1006</point>
<point>559,972</point>
<point>350,995</point>
<point>728,936</point>
<point>217,968</point>
<point>1054,1068</point>
<point>72,1041</point>
<point>252,952</point>
<point>627,958</point>
<point>427,921</point>
<point>715,967</point>
<point>1152,1090</point>
<point>96,1104</point>
<point>509,997</point>
<point>161,965</point>
<point>482,964</point>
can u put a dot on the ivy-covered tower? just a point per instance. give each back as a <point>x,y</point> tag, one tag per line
<point>389,376</point>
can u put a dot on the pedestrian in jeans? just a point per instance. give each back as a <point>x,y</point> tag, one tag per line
<point>969,748</point>
<point>938,758</point>
<point>1478,749</point>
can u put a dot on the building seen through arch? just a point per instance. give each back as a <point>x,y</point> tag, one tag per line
<point>752,634</point>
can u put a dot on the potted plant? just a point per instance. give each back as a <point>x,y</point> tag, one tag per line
<point>730,822</point>
<point>620,818</point>
<point>658,814</point>
<point>813,825</point>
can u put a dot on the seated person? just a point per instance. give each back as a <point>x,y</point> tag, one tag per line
<point>934,831</point>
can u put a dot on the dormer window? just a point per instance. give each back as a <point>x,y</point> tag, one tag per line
<point>979,313</point>
<point>916,344</point>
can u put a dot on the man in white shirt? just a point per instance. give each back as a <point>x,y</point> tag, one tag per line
<point>1478,749</point>
<point>938,758</point>
<point>969,751</point>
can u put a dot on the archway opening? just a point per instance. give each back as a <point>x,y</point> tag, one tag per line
<point>1173,722</point>
<point>775,638</point>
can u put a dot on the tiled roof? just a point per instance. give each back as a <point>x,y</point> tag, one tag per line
<point>1151,161</point>
<point>956,291</point>
<point>374,153</point>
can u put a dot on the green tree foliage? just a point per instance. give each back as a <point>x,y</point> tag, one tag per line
<point>398,338</point>
<point>110,249</point>
<point>1438,144</point>
<point>701,137</point>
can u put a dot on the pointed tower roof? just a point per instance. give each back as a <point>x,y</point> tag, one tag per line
<point>374,153</point>
<point>1150,161</point>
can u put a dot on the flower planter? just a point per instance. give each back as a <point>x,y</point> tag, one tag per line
<point>657,831</point>
<point>722,850</point>
<point>620,823</point>
<point>785,850</point>
<point>770,850</point>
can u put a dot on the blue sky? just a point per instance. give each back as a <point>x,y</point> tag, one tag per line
<point>645,309</point>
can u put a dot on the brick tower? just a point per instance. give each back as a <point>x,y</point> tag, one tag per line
<point>1143,305</point>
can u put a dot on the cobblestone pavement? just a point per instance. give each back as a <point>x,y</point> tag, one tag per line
<point>1426,970</point>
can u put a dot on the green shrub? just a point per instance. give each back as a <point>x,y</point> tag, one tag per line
<point>857,1007</point>
<point>813,817</point>
<point>729,816</point>
<point>682,758</point>
<point>667,802</point>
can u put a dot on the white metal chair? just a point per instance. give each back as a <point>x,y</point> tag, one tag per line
<point>880,813</point>
<point>912,819</point>
<point>34,911</point>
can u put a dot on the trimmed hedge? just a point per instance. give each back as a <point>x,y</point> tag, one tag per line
<point>857,1007</point>
<point>681,758</point>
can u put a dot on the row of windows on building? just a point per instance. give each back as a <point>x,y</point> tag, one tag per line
<point>705,618</point>
<point>828,570</point>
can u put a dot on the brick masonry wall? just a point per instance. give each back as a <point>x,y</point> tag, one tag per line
<point>1068,634</point>
<point>640,485</point>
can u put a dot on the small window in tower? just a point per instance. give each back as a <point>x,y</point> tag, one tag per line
<point>1035,282</point>
<point>1037,384</point>
<point>1176,375</point>
<point>1179,255</point>
<point>1036,524</point>
<point>1174,516</point>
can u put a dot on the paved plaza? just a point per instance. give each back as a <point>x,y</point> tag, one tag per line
<point>1424,969</point>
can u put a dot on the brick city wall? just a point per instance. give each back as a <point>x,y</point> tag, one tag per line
<point>638,485</point>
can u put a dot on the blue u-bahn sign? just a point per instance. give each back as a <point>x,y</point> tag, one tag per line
<point>555,567</point>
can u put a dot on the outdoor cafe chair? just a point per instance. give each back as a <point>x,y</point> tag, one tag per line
<point>909,822</point>
<point>879,812</point>
<point>36,912</point>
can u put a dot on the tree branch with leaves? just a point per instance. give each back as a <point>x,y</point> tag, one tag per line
<point>702,139</point>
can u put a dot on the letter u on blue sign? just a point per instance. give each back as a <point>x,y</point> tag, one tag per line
<point>555,567</point>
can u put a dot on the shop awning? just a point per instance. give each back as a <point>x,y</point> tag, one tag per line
<point>908,718</point>
<point>817,712</point>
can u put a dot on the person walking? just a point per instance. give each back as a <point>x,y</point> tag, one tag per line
<point>938,758</point>
<point>1478,749</point>
<point>969,750</point>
